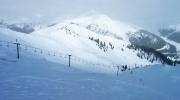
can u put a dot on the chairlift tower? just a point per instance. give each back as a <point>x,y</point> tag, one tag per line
<point>69,59</point>
<point>17,47</point>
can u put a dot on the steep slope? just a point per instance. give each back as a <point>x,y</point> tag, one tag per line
<point>145,38</point>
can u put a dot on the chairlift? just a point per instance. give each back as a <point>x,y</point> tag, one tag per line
<point>41,50</point>
<point>35,50</point>
<point>54,54</point>
<point>60,55</point>
<point>0,43</point>
<point>26,48</point>
<point>48,53</point>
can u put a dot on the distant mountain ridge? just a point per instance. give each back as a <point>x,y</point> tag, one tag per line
<point>171,33</point>
<point>23,28</point>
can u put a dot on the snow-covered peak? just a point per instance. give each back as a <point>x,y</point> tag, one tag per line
<point>85,21</point>
<point>103,22</point>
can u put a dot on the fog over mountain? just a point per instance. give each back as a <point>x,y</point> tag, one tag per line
<point>149,14</point>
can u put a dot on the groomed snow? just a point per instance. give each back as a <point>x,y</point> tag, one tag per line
<point>35,78</point>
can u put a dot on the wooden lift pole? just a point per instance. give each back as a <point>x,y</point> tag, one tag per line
<point>17,49</point>
<point>69,59</point>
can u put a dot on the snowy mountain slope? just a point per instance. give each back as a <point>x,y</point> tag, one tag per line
<point>145,38</point>
<point>103,25</point>
<point>176,55</point>
<point>171,35</point>
<point>55,39</point>
<point>32,77</point>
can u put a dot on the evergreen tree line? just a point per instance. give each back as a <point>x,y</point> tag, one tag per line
<point>68,31</point>
<point>96,28</point>
<point>102,45</point>
<point>178,62</point>
<point>150,52</point>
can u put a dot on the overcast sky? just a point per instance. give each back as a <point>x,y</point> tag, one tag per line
<point>138,12</point>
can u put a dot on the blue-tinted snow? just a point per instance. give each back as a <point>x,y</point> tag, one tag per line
<point>37,79</point>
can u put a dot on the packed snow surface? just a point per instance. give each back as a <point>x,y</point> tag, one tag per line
<point>32,77</point>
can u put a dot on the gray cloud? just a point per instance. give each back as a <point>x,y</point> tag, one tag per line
<point>139,12</point>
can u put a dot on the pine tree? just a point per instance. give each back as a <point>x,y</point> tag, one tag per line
<point>101,44</point>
